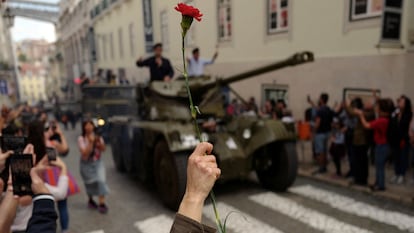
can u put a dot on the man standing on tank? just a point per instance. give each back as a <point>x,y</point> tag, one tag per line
<point>196,63</point>
<point>160,67</point>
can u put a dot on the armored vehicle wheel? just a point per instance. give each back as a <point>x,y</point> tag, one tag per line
<point>116,155</point>
<point>276,165</point>
<point>119,163</point>
<point>170,173</point>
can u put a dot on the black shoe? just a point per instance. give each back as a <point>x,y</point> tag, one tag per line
<point>92,204</point>
<point>103,209</point>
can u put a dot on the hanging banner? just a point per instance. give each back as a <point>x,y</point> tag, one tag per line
<point>391,22</point>
<point>148,25</point>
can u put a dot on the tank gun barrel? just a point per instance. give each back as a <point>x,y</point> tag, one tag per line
<point>296,59</point>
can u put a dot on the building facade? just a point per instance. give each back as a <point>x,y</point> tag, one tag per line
<point>8,79</point>
<point>33,80</point>
<point>353,47</point>
<point>74,33</point>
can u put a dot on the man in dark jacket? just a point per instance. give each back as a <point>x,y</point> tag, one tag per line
<point>160,67</point>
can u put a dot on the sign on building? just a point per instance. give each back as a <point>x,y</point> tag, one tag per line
<point>148,25</point>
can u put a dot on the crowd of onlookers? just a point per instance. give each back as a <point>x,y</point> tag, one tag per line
<point>51,183</point>
<point>35,134</point>
<point>364,131</point>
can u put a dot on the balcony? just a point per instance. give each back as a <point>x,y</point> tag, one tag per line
<point>101,7</point>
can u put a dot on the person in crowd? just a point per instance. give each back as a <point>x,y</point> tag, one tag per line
<point>411,135</point>
<point>349,123</point>
<point>399,139</point>
<point>252,105</point>
<point>323,124</point>
<point>360,142</point>
<point>160,67</point>
<point>202,173</point>
<point>233,109</point>
<point>280,109</point>
<point>267,110</point>
<point>337,148</point>
<point>39,135</point>
<point>92,168</point>
<point>55,138</point>
<point>380,127</point>
<point>196,64</point>
<point>84,80</point>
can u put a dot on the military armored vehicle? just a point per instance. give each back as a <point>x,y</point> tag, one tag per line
<point>102,101</point>
<point>154,145</point>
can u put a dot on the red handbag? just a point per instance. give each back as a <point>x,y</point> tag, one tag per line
<point>52,177</point>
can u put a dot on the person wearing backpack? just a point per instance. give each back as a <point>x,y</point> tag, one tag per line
<point>399,139</point>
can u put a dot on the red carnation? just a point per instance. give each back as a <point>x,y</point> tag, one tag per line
<point>190,11</point>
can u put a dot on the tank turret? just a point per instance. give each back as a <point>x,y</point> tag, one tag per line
<point>168,100</point>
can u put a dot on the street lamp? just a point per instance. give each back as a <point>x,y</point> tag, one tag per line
<point>8,18</point>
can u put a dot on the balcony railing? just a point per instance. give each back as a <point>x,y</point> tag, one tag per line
<point>101,7</point>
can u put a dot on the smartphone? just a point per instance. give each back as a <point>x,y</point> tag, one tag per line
<point>51,153</point>
<point>4,175</point>
<point>20,166</point>
<point>14,143</point>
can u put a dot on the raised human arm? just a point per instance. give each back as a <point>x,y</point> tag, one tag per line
<point>44,215</point>
<point>202,172</point>
<point>60,191</point>
<point>62,147</point>
<point>362,118</point>
<point>8,208</point>
<point>141,62</point>
<point>85,147</point>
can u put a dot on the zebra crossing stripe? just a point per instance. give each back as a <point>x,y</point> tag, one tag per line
<point>302,214</point>
<point>99,231</point>
<point>159,223</point>
<point>349,205</point>
<point>240,223</point>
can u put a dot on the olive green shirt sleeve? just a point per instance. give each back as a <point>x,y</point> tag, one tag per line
<point>183,224</point>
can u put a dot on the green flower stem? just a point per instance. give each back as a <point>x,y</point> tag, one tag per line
<point>194,112</point>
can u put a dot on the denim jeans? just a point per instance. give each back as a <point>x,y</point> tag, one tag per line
<point>381,154</point>
<point>63,214</point>
<point>401,160</point>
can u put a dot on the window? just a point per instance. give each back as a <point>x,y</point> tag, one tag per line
<point>132,39</point>
<point>164,29</point>
<point>104,46</point>
<point>275,92</point>
<point>121,43</point>
<point>111,44</point>
<point>363,9</point>
<point>224,20</point>
<point>277,16</point>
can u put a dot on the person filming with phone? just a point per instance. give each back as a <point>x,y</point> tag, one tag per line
<point>92,168</point>
<point>43,215</point>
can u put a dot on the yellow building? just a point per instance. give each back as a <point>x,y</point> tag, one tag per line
<point>32,83</point>
<point>346,36</point>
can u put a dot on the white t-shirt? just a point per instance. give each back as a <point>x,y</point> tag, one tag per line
<point>196,67</point>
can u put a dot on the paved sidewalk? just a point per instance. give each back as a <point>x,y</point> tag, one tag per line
<point>402,193</point>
